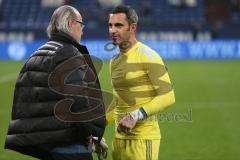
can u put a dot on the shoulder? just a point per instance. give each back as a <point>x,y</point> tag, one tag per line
<point>146,53</point>
<point>113,59</point>
<point>68,50</point>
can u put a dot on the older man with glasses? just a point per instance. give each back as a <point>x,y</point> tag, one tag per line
<point>58,105</point>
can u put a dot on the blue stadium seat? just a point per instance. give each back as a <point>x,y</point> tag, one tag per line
<point>29,15</point>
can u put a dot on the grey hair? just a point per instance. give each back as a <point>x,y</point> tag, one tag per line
<point>131,14</point>
<point>60,20</point>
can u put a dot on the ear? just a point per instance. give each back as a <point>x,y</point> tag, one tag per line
<point>133,27</point>
<point>70,23</point>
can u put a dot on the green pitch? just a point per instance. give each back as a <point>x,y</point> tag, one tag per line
<point>202,125</point>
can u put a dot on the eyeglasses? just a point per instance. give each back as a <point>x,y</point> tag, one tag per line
<point>81,23</point>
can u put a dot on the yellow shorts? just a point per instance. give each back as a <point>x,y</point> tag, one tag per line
<point>135,149</point>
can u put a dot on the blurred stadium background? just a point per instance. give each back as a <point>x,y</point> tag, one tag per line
<point>199,40</point>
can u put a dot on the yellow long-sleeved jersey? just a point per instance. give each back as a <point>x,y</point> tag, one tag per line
<point>139,79</point>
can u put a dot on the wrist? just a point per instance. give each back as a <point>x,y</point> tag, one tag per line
<point>138,114</point>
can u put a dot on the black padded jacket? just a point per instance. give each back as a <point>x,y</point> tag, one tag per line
<point>57,99</point>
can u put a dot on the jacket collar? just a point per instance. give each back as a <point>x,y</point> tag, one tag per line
<point>64,37</point>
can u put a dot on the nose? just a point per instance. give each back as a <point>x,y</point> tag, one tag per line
<point>112,29</point>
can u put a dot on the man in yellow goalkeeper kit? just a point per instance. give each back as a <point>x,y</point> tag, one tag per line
<point>142,89</point>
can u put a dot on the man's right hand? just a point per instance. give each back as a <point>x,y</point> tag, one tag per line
<point>101,148</point>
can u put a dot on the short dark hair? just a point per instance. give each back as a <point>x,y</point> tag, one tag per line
<point>131,14</point>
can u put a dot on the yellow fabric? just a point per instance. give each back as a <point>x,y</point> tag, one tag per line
<point>140,79</point>
<point>110,116</point>
<point>126,149</point>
